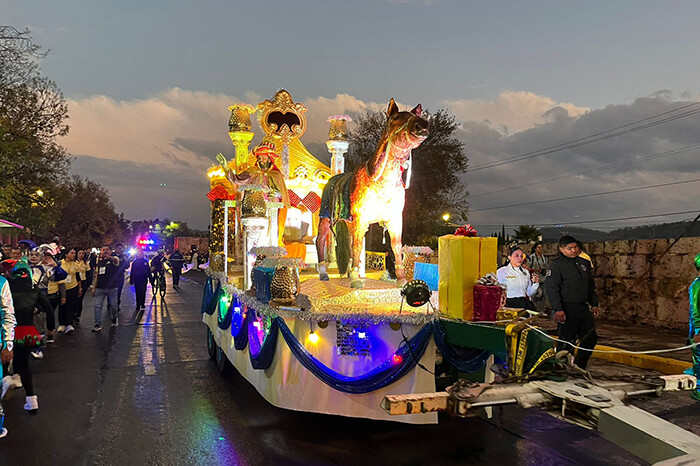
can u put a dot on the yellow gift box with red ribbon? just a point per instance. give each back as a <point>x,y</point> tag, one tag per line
<point>462,261</point>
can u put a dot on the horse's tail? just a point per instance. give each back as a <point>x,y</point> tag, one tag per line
<point>342,247</point>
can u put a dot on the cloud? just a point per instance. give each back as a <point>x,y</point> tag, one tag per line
<point>172,137</point>
<point>512,111</point>
<point>485,145</point>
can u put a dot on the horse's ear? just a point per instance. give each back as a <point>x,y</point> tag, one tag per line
<point>417,110</point>
<point>393,108</point>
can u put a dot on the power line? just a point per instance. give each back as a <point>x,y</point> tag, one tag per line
<point>582,196</point>
<point>593,170</point>
<point>602,135</point>
<point>582,222</point>
<point>597,137</point>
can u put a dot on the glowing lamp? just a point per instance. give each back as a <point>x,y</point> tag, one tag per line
<point>397,359</point>
<point>416,293</point>
<point>361,335</point>
<point>446,216</point>
<point>313,337</point>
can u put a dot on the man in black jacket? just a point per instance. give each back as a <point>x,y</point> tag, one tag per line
<point>571,290</point>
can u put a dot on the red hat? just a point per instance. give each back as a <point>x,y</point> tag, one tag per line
<point>265,148</point>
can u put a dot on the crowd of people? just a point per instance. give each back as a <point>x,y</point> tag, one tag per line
<point>38,283</point>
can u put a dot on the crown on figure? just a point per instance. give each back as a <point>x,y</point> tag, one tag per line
<point>266,147</point>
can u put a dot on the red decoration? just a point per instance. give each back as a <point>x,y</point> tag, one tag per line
<point>466,230</point>
<point>312,201</point>
<point>294,198</point>
<point>219,192</point>
<point>487,301</point>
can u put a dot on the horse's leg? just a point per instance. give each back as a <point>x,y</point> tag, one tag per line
<point>357,232</point>
<point>395,228</point>
<point>324,228</point>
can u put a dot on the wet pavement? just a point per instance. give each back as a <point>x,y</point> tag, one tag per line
<point>146,393</point>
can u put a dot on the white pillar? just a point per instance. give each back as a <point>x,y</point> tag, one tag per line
<point>337,150</point>
<point>285,161</point>
<point>255,233</point>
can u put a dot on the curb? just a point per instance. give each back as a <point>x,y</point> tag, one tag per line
<point>644,361</point>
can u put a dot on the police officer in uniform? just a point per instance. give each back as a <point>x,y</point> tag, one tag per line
<point>571,290</point>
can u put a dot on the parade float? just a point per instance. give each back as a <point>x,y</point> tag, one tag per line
<point>295,303</point>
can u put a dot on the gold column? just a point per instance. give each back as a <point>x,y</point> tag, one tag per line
<point>239,126</point>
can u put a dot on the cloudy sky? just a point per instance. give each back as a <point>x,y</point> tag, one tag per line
<point>148,86</point>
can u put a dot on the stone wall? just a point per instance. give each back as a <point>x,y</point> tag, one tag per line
<point>637,283</point>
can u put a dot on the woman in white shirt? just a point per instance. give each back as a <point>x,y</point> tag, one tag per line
<point>520,286</point>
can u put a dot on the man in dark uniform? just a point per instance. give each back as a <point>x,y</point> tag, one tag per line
<point>177,260</point>
<point>571,290</point>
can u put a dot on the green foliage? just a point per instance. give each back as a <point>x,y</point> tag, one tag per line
<point>436,186</point>
<point>88,218</point>
<point>527,234</point>
<point>32,117</point>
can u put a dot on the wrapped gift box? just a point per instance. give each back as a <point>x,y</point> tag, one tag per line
<point>462,261</point>
<point>262,278</point>
<point>487,301</point>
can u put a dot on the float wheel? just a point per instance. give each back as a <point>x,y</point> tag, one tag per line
<point>222,363</point>
<point>211,345</point>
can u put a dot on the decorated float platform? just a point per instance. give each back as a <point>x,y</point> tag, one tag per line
<point>337,344</point>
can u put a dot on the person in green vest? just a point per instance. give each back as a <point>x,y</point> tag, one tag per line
<point>694,336</point>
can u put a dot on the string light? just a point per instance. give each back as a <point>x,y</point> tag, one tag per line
<point>313,337</point>
<point>397,359</point>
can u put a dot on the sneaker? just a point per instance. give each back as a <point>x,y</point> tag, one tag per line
<point>115,322</point>
<point>3,432</point>
<point>38,354</point>
<point>18,381</point>
<point>50,338</point>
<point>69,329</point>
<point>61,328</point>
<point>32,403</point>
<point>8,382</point>
<point>96,328</point>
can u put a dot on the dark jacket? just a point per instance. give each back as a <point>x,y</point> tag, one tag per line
<point>26,298</point>
<point>140,271</point>
<point>570,281</point>
<point>177,260</point>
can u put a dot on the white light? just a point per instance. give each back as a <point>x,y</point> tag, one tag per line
<point>132,251</point>
<point>361,335</point>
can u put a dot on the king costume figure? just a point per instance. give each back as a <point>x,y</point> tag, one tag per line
<point>694,326</point>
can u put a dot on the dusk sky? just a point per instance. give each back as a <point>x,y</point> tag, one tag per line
<point>148,85</point>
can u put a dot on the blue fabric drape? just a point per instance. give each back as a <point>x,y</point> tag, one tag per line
<point>381,376</point>
<point>240,340</point>
<point>207,294</point>
<point>261,354</point>
<point>213,303</point>
<point>224,321</point>
<point>464,359</point>
<point>236,316</point>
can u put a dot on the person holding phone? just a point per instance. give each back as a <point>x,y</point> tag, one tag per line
<point>520,285</point>
<point>106,286</point>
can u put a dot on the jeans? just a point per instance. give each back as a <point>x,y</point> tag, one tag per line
<point>100,295</point>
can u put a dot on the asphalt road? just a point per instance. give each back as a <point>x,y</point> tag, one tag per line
<point>146,393</point>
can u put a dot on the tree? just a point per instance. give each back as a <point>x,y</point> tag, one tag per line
<point>88,218</point>
<point>32,117</point>
<point>436,186</point>
<point>527,234</point>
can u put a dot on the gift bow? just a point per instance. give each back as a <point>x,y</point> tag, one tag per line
<point>466,230</point>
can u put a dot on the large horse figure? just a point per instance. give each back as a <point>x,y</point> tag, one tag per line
<point>372,193</point>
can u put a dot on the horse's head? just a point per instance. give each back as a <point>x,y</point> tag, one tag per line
<point>405,130</point>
